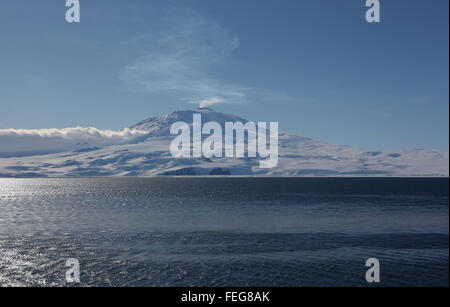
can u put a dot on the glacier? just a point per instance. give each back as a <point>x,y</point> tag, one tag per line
<point>147,154</point>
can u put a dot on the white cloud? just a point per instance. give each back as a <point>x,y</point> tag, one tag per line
<point>17,142</point>
<point>179,58</point>
<point>206,103</point>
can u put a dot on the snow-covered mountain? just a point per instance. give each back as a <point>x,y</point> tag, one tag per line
<point>160,126</point>
<point>147,154</point>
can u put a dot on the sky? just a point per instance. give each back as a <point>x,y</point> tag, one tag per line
<point>315,66</point>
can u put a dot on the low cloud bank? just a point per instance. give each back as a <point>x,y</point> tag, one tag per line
<point>24,142</point>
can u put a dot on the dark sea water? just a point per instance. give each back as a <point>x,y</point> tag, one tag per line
<point>224,231</point>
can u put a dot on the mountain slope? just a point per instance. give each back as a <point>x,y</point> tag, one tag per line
<point>149,155</point>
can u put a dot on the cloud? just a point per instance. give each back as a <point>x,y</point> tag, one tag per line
<point>179,59</point>
<point>206,103</point>
<point>22,142</point>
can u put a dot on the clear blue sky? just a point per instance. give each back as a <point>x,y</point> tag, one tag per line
<point>316,66</point>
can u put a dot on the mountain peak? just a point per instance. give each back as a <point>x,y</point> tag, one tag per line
<point>160,126</point>
<point>204,110</point>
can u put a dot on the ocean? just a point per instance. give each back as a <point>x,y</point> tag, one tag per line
<point>198,231</point>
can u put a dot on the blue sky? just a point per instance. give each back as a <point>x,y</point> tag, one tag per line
<point>315,66</point>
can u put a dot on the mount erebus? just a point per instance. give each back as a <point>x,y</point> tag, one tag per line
<point>143,150</point>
